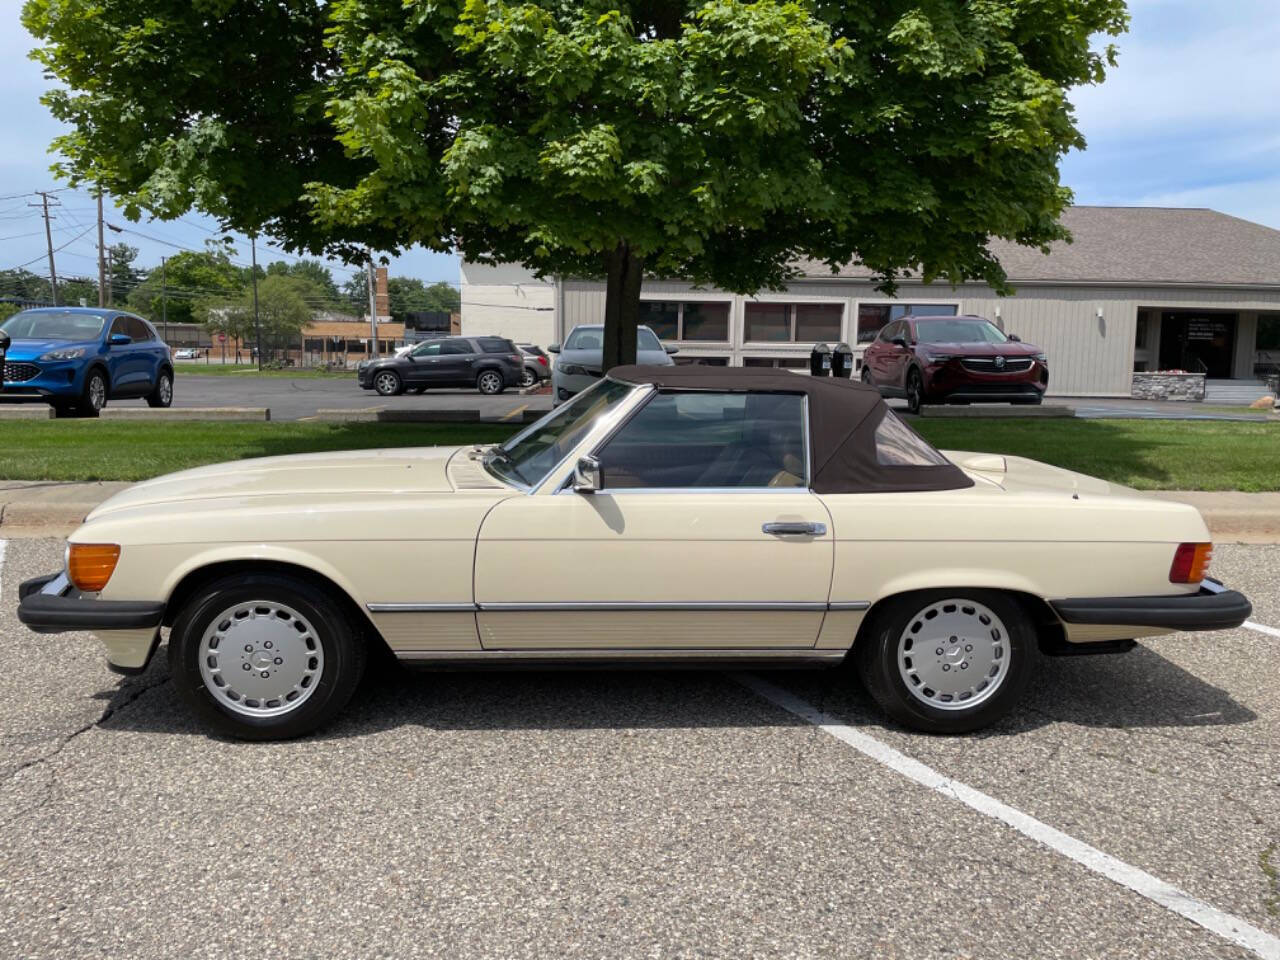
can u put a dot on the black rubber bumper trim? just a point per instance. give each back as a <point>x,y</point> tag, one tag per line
<point>46,613</point>
<point>1206,610</point>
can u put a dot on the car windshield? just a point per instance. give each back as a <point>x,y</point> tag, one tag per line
<point>950,330</point>
<point>533,453</point>
<point>592,338</point>
<point>53,325</point>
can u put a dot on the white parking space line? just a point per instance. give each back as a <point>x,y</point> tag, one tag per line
<point>1225,925</point>
<point>1262,628</point>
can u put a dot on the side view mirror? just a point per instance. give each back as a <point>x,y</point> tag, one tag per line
<point>900,342</point>
<point>586,475</point>
<point>554,348</point>
<point>119,340</point>
<point>670,349</point>
<point>1015,338</point>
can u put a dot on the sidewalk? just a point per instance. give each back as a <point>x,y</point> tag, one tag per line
<point>34,508</point>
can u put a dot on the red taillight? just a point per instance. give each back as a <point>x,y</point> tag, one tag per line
<point>543,361</point>
<point>518,359</point>
<point>1190,562</point>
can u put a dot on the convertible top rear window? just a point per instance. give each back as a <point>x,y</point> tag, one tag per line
<point>897,445</point>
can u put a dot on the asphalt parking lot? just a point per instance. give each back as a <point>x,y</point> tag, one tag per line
<point>641,814</point>
<point>293,398</point>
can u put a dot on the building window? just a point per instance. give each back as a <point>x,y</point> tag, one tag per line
<point>783,363</point>
<point>873,316</point>
<point>792,322</point>
<point>691,320</point>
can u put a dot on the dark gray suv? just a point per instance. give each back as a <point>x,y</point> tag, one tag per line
<point>490,364</point>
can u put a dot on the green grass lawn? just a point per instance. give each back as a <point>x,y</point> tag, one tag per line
<point>1148,454</point>
<point>215,369</point>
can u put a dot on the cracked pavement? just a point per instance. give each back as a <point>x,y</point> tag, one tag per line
<point>621,814</point>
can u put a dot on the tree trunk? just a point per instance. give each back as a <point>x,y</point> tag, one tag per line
<point>624,271</point>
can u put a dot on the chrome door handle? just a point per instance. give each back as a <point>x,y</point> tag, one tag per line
<point>795,529</point>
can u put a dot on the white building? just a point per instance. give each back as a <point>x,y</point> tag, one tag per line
<point>1141,288</point>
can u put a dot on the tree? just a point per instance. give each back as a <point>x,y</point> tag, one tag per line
<point>718,140</point>
<point>406,294</point>
<point>314,272</point>
<point>188,277</point>
<point>122,276</point>
<point>7,310</point>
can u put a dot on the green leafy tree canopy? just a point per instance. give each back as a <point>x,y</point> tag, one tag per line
<point>710,139</point>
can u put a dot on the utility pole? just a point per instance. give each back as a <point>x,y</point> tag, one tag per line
<point>164,301</point>
<point>111,278</point>
<point>102,260</point>
<point>373,309</point>
<point>257,326</point>
<point>48,236</point>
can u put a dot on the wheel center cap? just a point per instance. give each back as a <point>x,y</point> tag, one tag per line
<point>262,659</point>
<point>953,654</point>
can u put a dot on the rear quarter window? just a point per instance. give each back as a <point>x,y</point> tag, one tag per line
<point>496,345</point>
<point>897,445</point>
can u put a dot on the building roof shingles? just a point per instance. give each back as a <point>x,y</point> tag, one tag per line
<point>1136,246</point>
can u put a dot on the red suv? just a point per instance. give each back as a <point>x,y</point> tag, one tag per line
<point>954,360</point>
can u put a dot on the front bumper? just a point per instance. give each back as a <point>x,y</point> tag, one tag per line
<point>53,378</point>
<point>129,628</point>
<point>1212,607</point>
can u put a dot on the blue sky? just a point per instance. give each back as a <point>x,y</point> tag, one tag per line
<point>1190,118</point>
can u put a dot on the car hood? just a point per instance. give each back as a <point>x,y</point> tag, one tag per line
<point>593,360</point>
<point>354,472</point>
<point>982,349</point>
<point>34,349</point>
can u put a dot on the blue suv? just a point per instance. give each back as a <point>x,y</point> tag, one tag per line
<point>78,358</point>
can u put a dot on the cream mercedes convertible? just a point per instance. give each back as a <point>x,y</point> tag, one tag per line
<point>667,516</point>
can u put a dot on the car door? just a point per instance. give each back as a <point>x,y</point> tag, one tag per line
<point>704,536</point>
<point>123,367</point>
<point>149,352</point>
<point>898,356</point>
<point>421,364</point>
<point>457,362</point>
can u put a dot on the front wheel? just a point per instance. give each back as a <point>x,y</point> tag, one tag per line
<point>94,396</point>
<point>161,394</point>
<point>490,381</point>
<point>265,656</point>
<point>915,391</point>
<point>947,661</point>
<point>387,383</point>
<point>866,375</point>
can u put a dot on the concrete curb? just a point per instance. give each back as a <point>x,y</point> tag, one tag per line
<point>979,411</point>
<point>404,415</point>
<point>26,411</point>
<point>187,414</point>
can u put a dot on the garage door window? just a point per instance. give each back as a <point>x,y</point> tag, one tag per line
<point>710,440</point>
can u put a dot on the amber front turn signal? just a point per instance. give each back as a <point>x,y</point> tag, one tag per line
<point>1190,562</point>
<point>90,565</point>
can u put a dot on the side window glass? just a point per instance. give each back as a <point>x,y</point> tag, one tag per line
<point>455,347</point>
<point>691,440</point>
<point>137,329</point>
<point>427,349</point>
<point>897,445</point>
<point>120,325</point>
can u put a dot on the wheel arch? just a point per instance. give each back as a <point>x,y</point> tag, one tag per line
<point>203,573</point>
<point>1050,633</point>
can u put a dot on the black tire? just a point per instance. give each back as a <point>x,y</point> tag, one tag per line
<point>528,378</point>
<point>94,395</point>
<point>490,382</point>
<point>866,375</point>
<point>388,383</point>
<point>161,394</point>
<point>420,390</point>
<point>915,391</point>
<point>876,656</point>
<point>343,655</point>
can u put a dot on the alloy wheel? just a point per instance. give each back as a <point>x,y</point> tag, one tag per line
<point>953,654</point>
<point>489,382</point>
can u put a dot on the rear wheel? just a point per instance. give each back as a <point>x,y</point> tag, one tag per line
<point>387,383</point>
<point>265,656</point>
<point>490,381</point>
<point>915,391</point>
<point>162,394</point>
<point>947,661</point>
<point>528,378</point>
<point>866,375</point>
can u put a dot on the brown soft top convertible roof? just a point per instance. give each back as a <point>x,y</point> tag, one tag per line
<point>843,417</point>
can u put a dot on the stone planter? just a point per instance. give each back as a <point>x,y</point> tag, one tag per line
<point>1168,386</point>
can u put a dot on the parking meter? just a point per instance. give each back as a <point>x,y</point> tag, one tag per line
<point>820,360</point>
<point>842,361</point>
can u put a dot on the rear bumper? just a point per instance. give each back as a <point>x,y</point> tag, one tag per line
<point>1213,607</point>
